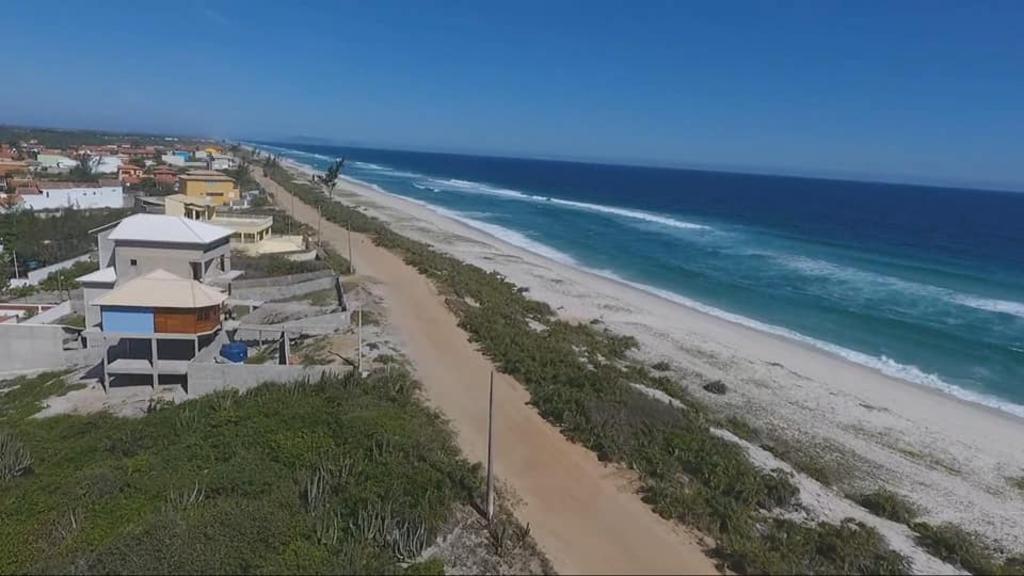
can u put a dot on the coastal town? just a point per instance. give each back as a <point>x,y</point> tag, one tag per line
<point>263,322</point>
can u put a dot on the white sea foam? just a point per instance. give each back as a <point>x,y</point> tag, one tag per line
<point>883,364</point>
<point>499,232</point>
<point>476,187</point>
<point>367,165</point>
<point>858,277</point>
<point>992,305</point>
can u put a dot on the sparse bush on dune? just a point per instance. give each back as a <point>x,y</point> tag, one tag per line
<point>276,479</point>
<point>889,505</point>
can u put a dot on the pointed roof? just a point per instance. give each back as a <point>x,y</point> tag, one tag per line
<point>161,289</point>
<point>174,229</point>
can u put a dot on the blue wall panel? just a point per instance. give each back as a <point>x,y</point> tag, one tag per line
<point>128,320</point>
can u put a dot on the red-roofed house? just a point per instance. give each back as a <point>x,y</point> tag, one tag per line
<point>129,174</point>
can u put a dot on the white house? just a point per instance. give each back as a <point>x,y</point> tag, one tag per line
<point>75,195</point>
<point>55,162</point>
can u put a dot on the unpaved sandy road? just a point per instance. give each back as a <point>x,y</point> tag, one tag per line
<point>583,514</point>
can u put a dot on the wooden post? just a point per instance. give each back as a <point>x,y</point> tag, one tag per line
<point>490,452</point>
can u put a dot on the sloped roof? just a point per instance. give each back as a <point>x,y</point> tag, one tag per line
<point>206,175</point>
<point>161,289</point>
<point>105,275</point>
<point>173,229</point>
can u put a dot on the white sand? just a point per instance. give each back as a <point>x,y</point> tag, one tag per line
<point>951,457</point>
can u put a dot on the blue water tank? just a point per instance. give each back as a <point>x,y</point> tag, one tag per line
<point>235,351</point>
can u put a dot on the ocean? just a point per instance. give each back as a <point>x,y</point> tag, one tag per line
<point>922,283</point>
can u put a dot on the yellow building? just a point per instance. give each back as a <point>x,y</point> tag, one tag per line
<point>246,229</point>
<point>218,188</point>
<point>194,208</point>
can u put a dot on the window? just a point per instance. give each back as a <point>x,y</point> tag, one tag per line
<point>134,262</point>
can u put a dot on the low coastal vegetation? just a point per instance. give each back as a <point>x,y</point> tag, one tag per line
<point>271,265</point>
<point>888,504</point>
<point>582,379</point>
<point>945,541</point>
<point>345,474</point>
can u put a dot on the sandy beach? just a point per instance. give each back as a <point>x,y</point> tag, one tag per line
<point>952,458</point>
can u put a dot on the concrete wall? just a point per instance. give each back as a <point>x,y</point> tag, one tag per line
<point>280,280</point>
<point>100,197</point>
<point>25,347</point>
<point>106,248</point>
<point>175,259</point>
<point>205,378</point>
<point>38,275</point>
<point>51,315</point>
<point>90,293</point>
<point>285,291</point>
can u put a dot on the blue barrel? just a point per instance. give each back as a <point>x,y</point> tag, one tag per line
<point>235,351</point>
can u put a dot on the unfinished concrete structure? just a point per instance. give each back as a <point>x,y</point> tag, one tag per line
<point>155,325</point>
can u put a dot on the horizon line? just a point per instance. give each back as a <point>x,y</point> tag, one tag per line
<point>836,176</point>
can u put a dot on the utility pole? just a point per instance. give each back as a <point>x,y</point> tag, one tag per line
<point>318,226</point>
<point>490,453</point>
<point>351,263</point>
<point>15,253</point>
<point>293,213</point>
<point>359,346</point>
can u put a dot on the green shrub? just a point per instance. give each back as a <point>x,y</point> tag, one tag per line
<point>15,459</point>
<point>716,387</point>
<point>959,547</point>
<point>271,265</point>
<point>889,505</point>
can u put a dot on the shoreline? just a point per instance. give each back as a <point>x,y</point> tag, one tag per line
<point>946,453</point>
<point>994,405</point>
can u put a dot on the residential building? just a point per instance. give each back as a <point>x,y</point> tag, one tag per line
<point>218,187</point>
<point>143,243</point>
<point>165,176</point>
<point>74,195</point>
<point>191,207</point>
<point>105,164</point>
<point>129,174</point>
<point>154,326</point>
<point>47,162</point>
<point>12,167</point>
<point>245,229</point>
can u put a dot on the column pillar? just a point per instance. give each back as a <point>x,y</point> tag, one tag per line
<point>106,360</point>
<point>156,375</point>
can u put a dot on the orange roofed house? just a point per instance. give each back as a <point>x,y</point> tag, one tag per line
<point>129,174</point>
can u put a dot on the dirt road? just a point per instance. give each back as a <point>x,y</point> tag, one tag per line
<point>583,514</point>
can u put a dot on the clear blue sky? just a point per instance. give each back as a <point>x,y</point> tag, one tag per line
<point>928,91</point>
